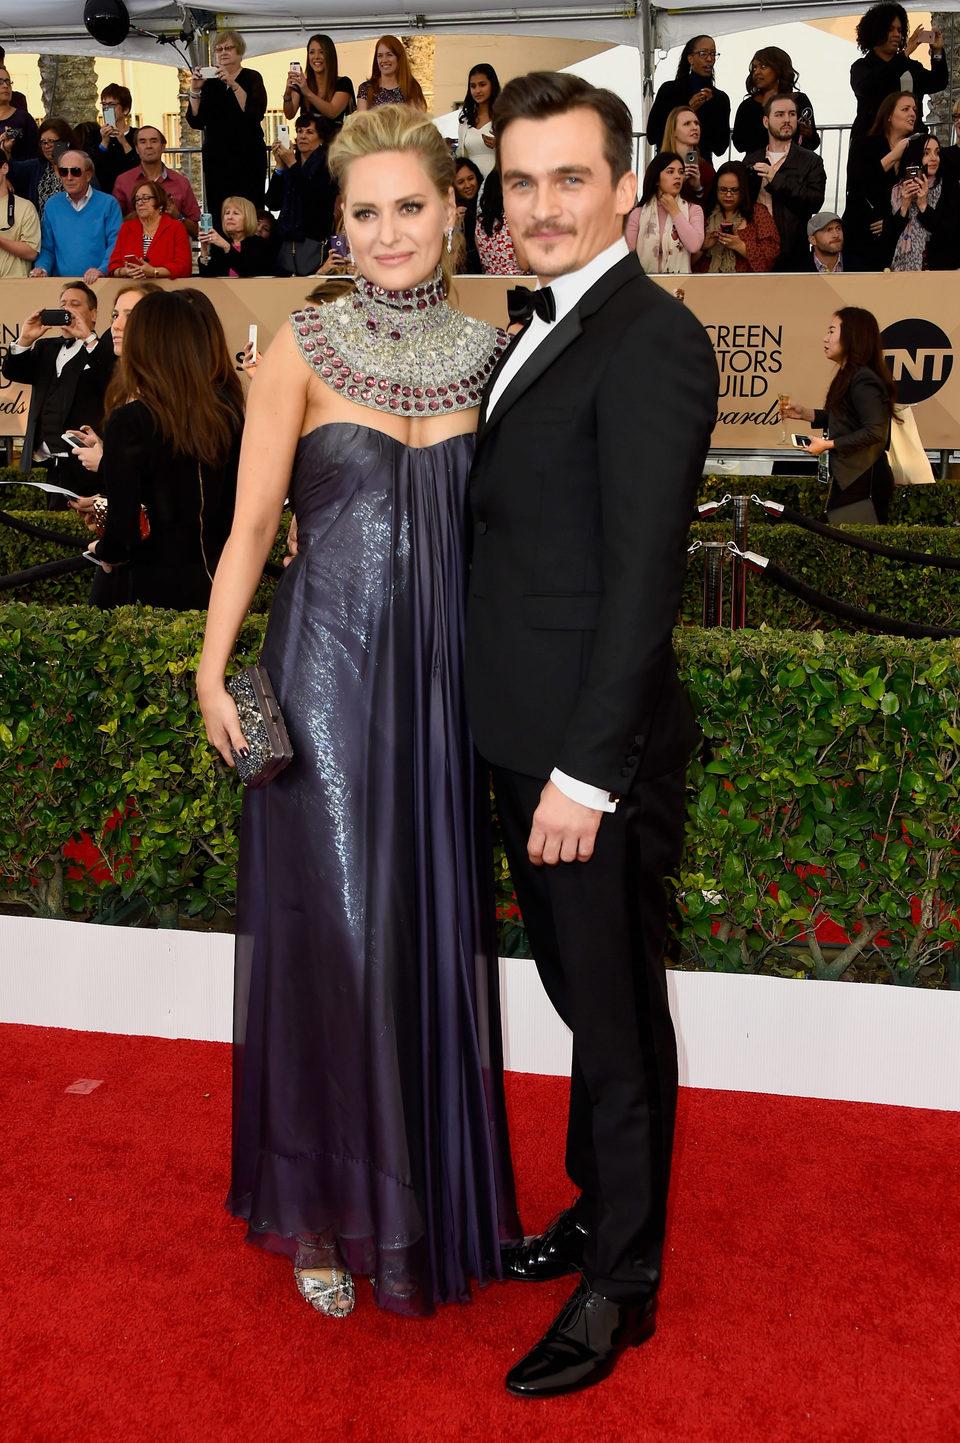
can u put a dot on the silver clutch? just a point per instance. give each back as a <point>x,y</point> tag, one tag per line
<point>261,722</point>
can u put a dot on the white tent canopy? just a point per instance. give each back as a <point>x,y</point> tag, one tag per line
<point>56,26</point>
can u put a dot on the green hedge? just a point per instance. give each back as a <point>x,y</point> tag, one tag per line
<point>937,505</point>
<point>834,752</point>
<point>913,593</point>
<point>892,588</point>
<point>18,552</point>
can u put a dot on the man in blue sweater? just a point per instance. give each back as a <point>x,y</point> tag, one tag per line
<point>80,225</point>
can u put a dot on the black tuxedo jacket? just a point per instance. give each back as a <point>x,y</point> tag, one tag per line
<point>582,491</point>
<point>78,390</point>
<point>798,187</point>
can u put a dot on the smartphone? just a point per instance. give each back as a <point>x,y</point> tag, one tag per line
<point>133,260</point>
<point>252,338</point>
<point>338,246</point>
<point>110,115</point>
<point>912,171</point>
<point>60,149</point>
<point>295,68</point>
<point>89,556</point>
<point>72,439</point>
<point>206,221</point>
<point>208,72</point>
<point>806,116</point>
<point>690,158</point>
<point>801,442</point>
<point>726,227</point>
<point>283,135</point>
<point>56,318</point>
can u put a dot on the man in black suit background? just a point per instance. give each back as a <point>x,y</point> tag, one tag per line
<point>69,375</point>
<point>591,443</point>
<point>790,181</point>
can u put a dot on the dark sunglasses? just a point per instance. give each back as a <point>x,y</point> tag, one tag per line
<point>69,170</point>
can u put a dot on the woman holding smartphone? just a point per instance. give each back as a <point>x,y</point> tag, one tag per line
<point>236,249</point>
<point>682,134</point>
<point>475,137</point>
<point>151,245</point>
<point>740,237</point>
<point>915,205</point>
<point>318,88</point>
<point>856,417</point>
<point>871,170</point>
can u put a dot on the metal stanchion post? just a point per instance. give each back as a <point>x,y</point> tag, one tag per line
<point>738,584</point>
<point>713,582</point>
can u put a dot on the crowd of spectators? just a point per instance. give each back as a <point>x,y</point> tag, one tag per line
<point>97,199</point>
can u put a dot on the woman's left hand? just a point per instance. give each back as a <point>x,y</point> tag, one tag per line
<point>818,444</point>
<point>92,549</point>
<point>692,174</point>
<point>733,243</point>
<point>922,191</point>
<point>490,142</point>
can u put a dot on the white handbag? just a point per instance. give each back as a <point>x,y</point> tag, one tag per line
<point>908,460</point>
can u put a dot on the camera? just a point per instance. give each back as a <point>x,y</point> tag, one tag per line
<point>56,317</point>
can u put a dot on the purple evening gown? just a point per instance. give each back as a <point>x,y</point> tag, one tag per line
<point>368,1089</point>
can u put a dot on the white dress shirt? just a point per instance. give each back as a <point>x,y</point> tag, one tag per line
<point>66,352</point>
<point>568,291</point>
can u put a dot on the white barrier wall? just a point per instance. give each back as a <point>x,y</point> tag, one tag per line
<point>856,1042</point>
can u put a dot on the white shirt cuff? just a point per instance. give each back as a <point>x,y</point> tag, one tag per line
<point>18,350</point>
<point>583,792</point>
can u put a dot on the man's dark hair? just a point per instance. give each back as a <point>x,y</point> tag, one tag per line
<point>544,93</point>
<point>775,99</point>
<point>91,295</point>
<point>874,27</point>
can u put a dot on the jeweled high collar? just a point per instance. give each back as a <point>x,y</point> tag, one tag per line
<point>406,351</point>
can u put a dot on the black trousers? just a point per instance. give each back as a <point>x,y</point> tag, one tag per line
<point>597,930</point>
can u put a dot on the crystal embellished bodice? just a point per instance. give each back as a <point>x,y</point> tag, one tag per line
<point>405,351</point>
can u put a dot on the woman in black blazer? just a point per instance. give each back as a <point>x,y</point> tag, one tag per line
<point>170,445</point>
<point>856,417</point>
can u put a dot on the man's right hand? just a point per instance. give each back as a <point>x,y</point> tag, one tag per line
<point>31,330</point>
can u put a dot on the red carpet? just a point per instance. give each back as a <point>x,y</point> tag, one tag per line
<point>811,1289</point>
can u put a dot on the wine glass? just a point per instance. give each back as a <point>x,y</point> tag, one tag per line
<point>784,400</point>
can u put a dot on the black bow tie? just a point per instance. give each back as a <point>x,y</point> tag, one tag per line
<point>521,304</point>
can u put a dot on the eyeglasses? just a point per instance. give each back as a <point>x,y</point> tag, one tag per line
<point>142,199</point>
<point>728,190</point>
<point>707,54</point>
<point>6,81</point>
<point>70,170</point>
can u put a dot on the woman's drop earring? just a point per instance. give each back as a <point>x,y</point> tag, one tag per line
<point>449,240</point>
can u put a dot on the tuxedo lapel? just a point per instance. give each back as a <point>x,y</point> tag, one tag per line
<point>562,335</point>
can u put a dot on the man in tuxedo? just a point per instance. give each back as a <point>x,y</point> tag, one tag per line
<point>69,376</point>
<point>790,181</point>
<point>592,436</point>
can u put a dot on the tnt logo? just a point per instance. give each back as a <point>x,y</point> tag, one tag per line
<point>921,358</point>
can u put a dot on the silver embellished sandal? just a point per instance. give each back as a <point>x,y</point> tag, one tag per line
<point>333,1294</point>
<point>334,1298</point>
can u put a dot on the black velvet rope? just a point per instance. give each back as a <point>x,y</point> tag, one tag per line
<point>48,568</point>
<point>820,601</point>
<point>40,532</point>
<point>896,553</point>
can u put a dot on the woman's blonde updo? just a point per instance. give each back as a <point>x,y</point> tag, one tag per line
<point>401,128</point>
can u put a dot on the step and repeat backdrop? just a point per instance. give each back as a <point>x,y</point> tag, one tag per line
<point>767,332</point>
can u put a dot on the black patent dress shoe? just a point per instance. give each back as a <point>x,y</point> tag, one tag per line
<point>551,1254</point>
<point>582,1345</point>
